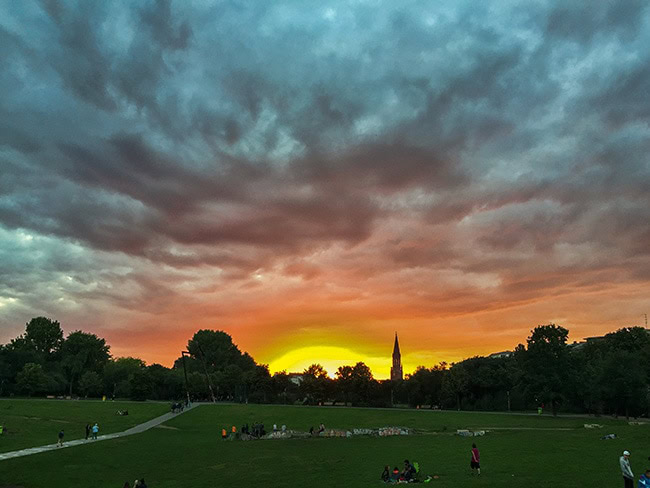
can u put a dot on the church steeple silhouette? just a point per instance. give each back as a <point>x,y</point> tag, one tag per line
<point>396,369</point>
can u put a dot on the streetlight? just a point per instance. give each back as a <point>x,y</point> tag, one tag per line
<point>187,391</point>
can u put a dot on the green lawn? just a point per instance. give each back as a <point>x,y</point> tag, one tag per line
<point>188,452</point>
<point>30,423</point>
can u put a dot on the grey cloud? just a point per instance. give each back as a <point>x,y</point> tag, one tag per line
<point>239,135</point>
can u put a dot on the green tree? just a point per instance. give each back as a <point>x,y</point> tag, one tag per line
<point>361,381</point>
<point>315,383</point>
<point>31,379</point>
<point>216,349</point>
<point>257,383</point>
<point>344,382</point>
<point>167,383</point>
<point>43,335</point>
<point>90,384</point>
<point>120,371</point>
<point>547,364</point>
<point>141,385</point>
<point>83,352</point>
<point>454,385</point>
<point>624,382</point>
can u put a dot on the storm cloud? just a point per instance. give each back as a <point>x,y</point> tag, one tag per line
<point>169,164</point>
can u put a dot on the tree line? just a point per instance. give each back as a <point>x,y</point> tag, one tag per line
<point>608,375</point>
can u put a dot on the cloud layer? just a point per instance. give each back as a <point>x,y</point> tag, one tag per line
<point>311,173</point>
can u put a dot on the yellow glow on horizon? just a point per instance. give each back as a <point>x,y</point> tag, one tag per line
<point>330,357</point>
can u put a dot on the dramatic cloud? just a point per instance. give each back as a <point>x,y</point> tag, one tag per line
<point>318,175</point>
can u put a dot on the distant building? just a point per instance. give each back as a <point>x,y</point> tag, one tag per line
<point>601,338</point>
<point>296,378</point>
<point>396,369</point>
<point>502,354</point>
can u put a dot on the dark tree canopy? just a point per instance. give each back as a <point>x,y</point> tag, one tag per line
<point>605,375</point>
<point>43,335</point>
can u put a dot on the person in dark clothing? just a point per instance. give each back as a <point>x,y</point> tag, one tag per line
<point>87,431</point>
<point>385,476</point>
<point>60,441</point>
<point>409,470</point>
<point>142,484</point>
<point>311,430</point>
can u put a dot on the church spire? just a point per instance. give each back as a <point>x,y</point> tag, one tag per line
<point>396,348</point>
<point>396,369</point>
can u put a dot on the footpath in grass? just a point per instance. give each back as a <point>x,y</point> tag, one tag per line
<point>31,422</point>
<point>189,452</point>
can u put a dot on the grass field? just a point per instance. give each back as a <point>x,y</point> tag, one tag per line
<point>30,423</point>
<point>520,451</point>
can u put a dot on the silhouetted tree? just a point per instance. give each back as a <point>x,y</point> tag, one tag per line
<point>31,379</point>
<point>547,364</point>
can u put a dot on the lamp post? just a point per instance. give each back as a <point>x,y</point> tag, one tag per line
<point>187,391</point>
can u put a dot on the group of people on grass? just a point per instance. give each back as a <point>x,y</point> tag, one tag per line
<point>233,430</point>
<point>258,430</point>
<point>411,471</point>
<point>136,484</point>
<point>321,428</point>
<point>407,475</point>
<point>628,476</point>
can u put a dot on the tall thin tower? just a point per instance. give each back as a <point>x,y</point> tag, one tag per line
<point>396,369</point>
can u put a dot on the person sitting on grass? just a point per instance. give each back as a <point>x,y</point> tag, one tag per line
<point>644,480</point>
<point>224,434</point>
<point>409,471</point>
<point>394,477</point>
<point>127,485</point>
<point>385,476</point>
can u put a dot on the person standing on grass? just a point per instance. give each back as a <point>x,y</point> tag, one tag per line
<point>626,470</point>
<point>475,462</point>
<point>95,430</point>
<point>60,441</point>
<point>87,431</point>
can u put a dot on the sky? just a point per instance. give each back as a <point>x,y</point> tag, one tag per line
<point>313,177</point>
